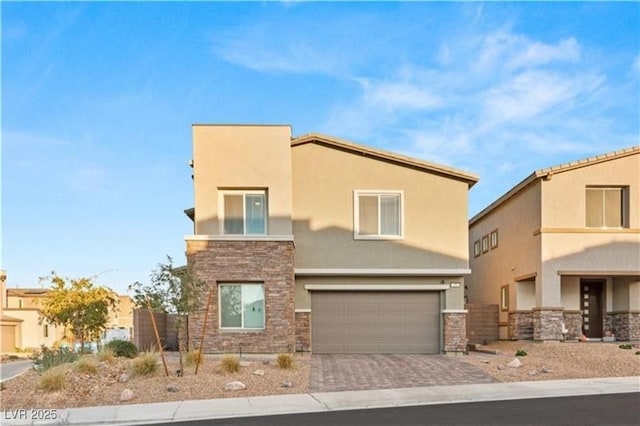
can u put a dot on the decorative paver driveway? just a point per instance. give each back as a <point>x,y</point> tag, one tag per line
<point>331,373</point>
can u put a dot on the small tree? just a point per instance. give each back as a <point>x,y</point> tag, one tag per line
<point>171,290</point>
<point>77,304</point>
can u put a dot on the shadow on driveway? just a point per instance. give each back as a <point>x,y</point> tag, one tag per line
<point>351,372</point>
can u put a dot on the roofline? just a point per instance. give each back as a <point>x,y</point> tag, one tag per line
<point>239,125</point>
<point>385,155</point>
<point>548,172</point>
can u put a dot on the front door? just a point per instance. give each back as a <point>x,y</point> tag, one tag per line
<point>591,302</point>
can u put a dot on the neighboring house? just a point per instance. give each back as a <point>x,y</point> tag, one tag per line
<point>23,305</point>
<point>560,252</point>
<point>315,243</point>
<point>9,326</point>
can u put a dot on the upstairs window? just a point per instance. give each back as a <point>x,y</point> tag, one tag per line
<point>605,207</point>
<point>244,212</point>
<point>378,214</point>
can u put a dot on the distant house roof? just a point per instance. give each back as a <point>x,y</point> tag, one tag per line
<point>392,157</point>
<point>27,292</point>
<point>549,171</point>
<point>7,318</point>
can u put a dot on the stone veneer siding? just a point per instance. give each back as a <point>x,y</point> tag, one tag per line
<point>573,324</point>
<point>625,325</point>
<point>267,262</point>
<point>521,325</point>
<point>455,331</point>
<point>547,323</point>
<point>303,331</point>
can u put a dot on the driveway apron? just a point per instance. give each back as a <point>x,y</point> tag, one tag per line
<point>351,372</point>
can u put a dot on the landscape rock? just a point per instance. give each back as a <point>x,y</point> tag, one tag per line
<point>235,385</point>
<point>123,378</point>
<point>287,384</point>
<point>172,388</point>
<point>533,373</point>
<point>484,361</point>
<point>259,372</point>
<point>545,370</point>
<point>500,367</point>
<point>126,395</point>
<point>516,363</point>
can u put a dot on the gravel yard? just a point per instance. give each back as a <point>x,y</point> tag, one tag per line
<point>557,360</point>
<point>103,388</point>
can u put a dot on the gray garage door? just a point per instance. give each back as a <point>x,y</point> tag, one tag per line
<point>375,322</point>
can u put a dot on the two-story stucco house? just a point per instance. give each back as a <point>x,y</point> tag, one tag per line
<point>560,252</point>
<point>314,243</point>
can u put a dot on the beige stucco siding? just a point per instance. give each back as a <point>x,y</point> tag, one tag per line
<point>518,250</point>
<point>242,157</point>
<point>563,196</point>
<point>31,331</point>
<point>435,213</point>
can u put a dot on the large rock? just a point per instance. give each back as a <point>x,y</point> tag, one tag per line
<point>123,378</point>
<point>126,395</point>
<point>235,385</point>
<point>259,373</point>
<point>516,363</point>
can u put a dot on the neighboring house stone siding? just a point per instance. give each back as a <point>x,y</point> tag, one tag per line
<point>303,331</point>
<point>267,262</point>
<point>455,331</point>
<point>521,325</point>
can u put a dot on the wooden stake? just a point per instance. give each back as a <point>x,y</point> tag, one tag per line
<point>204,329</point>
<point>155,330</point>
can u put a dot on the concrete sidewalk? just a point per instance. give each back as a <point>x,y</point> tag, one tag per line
<point>325,401</point>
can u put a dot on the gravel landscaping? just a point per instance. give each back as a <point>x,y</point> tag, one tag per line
<point>557,360</point>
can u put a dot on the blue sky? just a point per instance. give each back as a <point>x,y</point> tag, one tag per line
<point>98,101</point>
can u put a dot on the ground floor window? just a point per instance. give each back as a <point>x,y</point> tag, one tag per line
<point>242,306</point>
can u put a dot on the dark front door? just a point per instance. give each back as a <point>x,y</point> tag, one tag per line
<point>591,303</point>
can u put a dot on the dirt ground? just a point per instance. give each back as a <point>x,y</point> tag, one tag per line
<point>557,360</point>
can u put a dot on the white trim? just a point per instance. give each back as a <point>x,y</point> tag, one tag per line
<point>356,214</point>
<point>453,272</point>
<point>244,193</point>
<point>381,287</point>
<point>302,310</point>
<point>454,311</point>
<point>598,273</point>
<point>212,237</point>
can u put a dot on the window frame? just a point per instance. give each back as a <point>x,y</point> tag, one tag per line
<point>356,214</point>
<point>493,242</point>
<point>485,243</point>
<point>623,207</point>
<point>504,297</point>
<point>242,327</point>
<point>244,192</point>
<point>477,251</point>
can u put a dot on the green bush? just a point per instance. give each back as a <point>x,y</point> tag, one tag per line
<point>230,364</point>
<point>122,348</point>
<point>52,380</point>
<point>50,358</point>
<point>520,352</point>
<point>285,361</point>
<point>626,346</point>
<point>145,364</point>
<point>87,365</point>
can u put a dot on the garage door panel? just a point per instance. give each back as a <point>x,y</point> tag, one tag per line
<point>375,322</point>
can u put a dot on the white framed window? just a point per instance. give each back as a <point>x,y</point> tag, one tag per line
<point>378,215</point>
<point>485,243</point>
<point>494,239</point>
<point>241,306</point>
<point>605,207</point>
<point>243,212</point>
<point>504,298</point>
<point>476,248</point>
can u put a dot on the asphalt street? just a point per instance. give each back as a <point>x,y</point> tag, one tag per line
<point>596,410</point>
<point>11,369</point>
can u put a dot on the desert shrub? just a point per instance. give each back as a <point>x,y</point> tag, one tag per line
<point>86,365</point>
<point>193,357</point>
<point>2,386</point>
<point>285,361</point>
<point>50,358</point>
<point>52,380</point>
<point>626,346</point>
<point>637,352</point>
<point>145,364</point>
<point>230,364</point>
<point>106,354</point>
<point>122,348</point>
<point>520,352</point>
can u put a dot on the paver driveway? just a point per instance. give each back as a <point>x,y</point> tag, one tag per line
<point>344,372</point>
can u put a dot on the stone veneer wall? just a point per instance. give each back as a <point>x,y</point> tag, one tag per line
<point>268,262</point>
<point>303,331</point>
<point>625,325</point>
<point>547,323</point>
<point>573,324</point>
<point>455,331</point>
<point>521,325</point>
